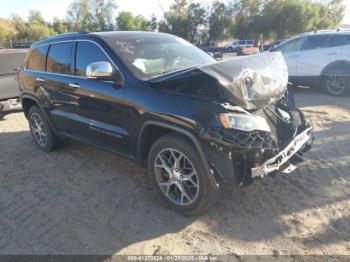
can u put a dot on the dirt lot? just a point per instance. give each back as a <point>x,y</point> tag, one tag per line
<point>81,200</point>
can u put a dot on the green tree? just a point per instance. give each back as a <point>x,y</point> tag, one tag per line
<point>281,19</point>
<point>4,34</point>
<point>220,21</point>
<point>153,23</point>
<point>126,21</point>
<point>246,14</point>
<point>33,29</point>
<point>102,11</point>
<point>35,17</point>
<point>91,15</point>
<point>197,16</point>
<point>20,27</point>
<point>60,25</point>
<point>331,13</point>
<point>79,15</point>
<point>176,21</point>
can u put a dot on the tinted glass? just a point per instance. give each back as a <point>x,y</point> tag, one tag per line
<point>315,42</point>
<point>87,53</point>
<point>242,42</point>
<point>291,46</point>
<point>337,40</point>
<point>250,42</point>
<point>37,59</point>
<point>58,58</point>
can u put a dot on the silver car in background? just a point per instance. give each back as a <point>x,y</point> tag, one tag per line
<point>319,59</point>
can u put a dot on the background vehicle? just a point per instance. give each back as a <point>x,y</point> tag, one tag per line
<point>319,59</point>
<point>164,103</point>
<point>239,44</point>
<point>247,50</point>
<point>11,60</point>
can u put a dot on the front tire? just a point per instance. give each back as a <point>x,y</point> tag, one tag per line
<point>42,133</point>
<point>176,172</point>
<point>335,85</point>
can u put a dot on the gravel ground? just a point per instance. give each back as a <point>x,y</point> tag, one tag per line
<point>81,200</point>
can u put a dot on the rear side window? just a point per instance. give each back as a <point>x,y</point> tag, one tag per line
<point>37,58</point>
<point>86,54</point>
<point>250,42</point>
<point>58,58</point>
<point>314,42</point>
<point>291,46</point>
<point>337,40</point>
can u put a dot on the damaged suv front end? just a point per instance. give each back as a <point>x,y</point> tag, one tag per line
<point>261,133</point>
<point>256,143</point>
<point>254,131</point>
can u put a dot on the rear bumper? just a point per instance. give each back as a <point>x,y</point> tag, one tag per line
<point>300,143</point>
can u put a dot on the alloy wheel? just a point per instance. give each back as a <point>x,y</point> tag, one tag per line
<point>335,85</point>
<point>176,176</point>
<point>38,128</point>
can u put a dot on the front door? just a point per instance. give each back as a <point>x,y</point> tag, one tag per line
<point>291,53</point>
<point>100,112</point>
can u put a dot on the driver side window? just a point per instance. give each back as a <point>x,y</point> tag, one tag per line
<point>87,53</point>
<point>291,46</point>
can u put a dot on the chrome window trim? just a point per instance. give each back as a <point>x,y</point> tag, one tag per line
<point>75,76</point>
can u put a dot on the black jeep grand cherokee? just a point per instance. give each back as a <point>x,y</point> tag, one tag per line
<point>199,125</point>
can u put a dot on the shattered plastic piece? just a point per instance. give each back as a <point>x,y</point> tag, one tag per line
<point>289,169</point>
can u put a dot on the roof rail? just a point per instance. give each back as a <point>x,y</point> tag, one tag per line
<point>68,33</point>
<point>325,31</point>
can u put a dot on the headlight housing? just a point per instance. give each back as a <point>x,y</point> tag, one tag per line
<point>244,122</point>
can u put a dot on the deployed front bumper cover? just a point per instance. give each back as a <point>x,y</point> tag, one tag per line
<point>279,161</point>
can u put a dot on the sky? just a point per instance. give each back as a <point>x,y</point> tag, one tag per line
<point>51,8</point>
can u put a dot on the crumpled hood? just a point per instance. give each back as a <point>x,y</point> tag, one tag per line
<point>251,81</point>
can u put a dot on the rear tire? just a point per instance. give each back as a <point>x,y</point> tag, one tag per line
<point>335,85</point>
<point>176,172</point>
<point>42,133</point>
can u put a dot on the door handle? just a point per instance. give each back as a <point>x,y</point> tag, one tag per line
<point>39,79</point>
<point>73,85</point>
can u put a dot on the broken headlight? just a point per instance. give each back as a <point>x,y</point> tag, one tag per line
<point>244,122</point>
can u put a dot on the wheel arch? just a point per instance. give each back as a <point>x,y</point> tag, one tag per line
<point>27,102</point>
<point>338,67</point>
<point>144,145</point>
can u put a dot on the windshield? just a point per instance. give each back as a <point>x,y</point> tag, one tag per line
<point>151,54</point>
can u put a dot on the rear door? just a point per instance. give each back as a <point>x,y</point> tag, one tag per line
<point>56,80</point>
<point>337,47</point>
<point>34,70</point>
<point>313,56</point>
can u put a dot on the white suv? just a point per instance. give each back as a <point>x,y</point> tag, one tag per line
<point>321,58</point>
<point>239,44</point>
